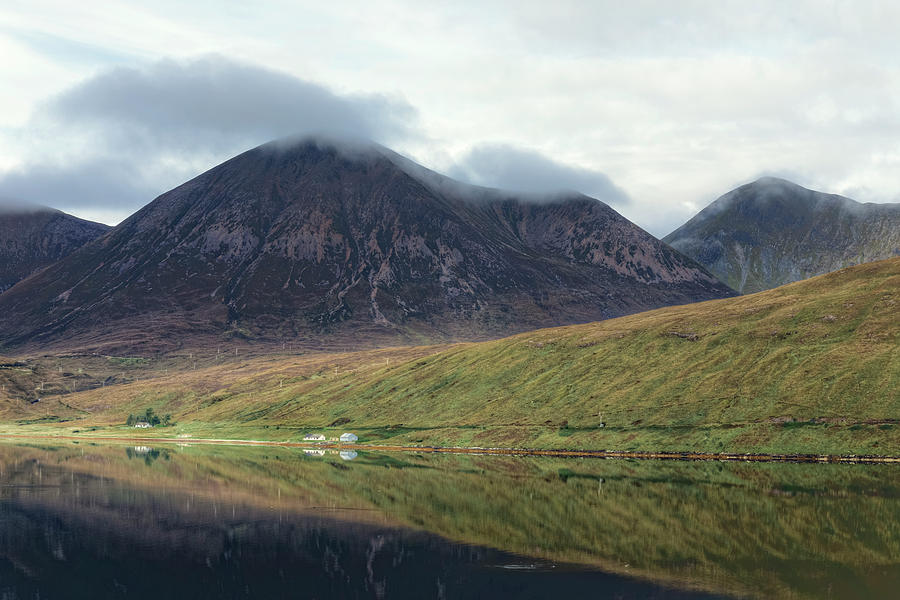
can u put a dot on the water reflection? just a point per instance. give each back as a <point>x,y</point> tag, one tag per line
<point>146,453</point>
<point>202,521</point>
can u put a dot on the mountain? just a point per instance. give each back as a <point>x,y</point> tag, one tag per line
<point>33,237</point>
<point>346,245</point>
<point>809,367</point>
<point>771,232</point>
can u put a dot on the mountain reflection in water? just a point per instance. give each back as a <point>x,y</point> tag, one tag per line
<point>91,521</point>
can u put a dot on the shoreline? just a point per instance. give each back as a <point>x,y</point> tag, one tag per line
<point>562,453</point>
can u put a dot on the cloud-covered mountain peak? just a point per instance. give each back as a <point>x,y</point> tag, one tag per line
<point>329,242</point>
<point>772,231</point>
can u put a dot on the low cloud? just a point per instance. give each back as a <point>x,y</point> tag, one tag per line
<point>214,101</point>
<point>96,184</point>
<point>128,134</point>
<point>14,205</point>
<point>508,167</point>
<point>113,142</point>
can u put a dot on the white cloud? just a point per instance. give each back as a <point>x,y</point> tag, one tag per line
<point>676,103</point>
<point>506,167</point>
<point>127,134</point>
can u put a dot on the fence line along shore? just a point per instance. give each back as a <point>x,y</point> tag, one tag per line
<point>634,454</point>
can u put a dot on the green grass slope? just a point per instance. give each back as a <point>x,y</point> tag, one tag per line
<point>808,367</point>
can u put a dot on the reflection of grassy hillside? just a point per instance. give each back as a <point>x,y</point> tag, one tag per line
<point>779,530</point>
<point>809,367</point>
<point>773,530</point>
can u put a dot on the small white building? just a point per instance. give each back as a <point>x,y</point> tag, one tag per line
<point>349,437</point>
<point>142,425</point>
<point>314,437</point>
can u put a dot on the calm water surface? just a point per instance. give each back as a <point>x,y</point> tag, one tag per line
<point>89,521</point>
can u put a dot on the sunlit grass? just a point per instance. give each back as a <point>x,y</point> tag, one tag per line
<point>727,375</point>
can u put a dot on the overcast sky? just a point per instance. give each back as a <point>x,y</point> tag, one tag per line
<point>654,107</point>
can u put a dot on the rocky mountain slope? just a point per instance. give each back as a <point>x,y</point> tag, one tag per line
<point>346,245</point>
<point>33,237</point>
<point>771,232</point>
<point>809,367</point>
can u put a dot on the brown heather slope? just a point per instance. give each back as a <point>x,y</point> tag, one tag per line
<point>811,367</point>
<point>344,247</point>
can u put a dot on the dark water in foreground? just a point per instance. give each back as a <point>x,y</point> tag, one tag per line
<point>86,521</point>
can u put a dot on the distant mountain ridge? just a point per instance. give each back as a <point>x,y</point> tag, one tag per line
<point>772,232</point>
<point>32,238</point>
<point>342,246</point>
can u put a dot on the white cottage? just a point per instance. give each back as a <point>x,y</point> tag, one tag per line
<point>142,425</point>
<point>314,437</point>
<point>349,437</point>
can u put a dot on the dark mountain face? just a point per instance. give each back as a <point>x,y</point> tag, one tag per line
<point>772,232</point>
<point>32,238</point>
<point>347,248</point>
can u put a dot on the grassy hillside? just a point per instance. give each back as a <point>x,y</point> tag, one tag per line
<point>809,367</point>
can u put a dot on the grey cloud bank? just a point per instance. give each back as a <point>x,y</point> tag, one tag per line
<point>124,136</point>
<point>140,131</point>
<point>675,102</point>
<point>214,101</point>
<point>14,205</point>
<point>97,184</point>
<point>507,167</point>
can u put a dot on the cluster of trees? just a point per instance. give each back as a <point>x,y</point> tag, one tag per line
<point>150,417</point>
